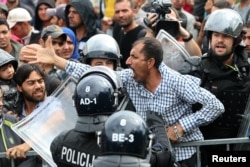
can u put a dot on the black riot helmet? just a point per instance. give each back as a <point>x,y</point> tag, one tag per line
<point>125,133</point>
<point>101,46</point>
<point>98,92</point>
<point>6,58</point>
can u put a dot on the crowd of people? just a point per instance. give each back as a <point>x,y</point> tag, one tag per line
<point>110,48</point>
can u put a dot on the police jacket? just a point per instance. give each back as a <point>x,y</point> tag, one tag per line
<point>230,84</point>
<point>121,161</point>
<point>75,147</point>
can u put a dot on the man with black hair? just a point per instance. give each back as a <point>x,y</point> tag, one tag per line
<point>30,84</point>
<point>126,31</point>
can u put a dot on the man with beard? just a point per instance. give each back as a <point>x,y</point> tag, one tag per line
<point>30,83</point>
<point>224,71</point>
<point>80,17</point>
<point>152,86</point>
<point>127,31</point>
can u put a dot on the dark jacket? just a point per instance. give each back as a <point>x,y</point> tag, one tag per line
<point>230,84</point>
<point>88,16</point>
<point>78,142</point>
<point>8,138</point>
<point>34,38</point>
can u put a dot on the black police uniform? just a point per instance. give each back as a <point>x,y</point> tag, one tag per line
<point>75,148</point>
<point>231,85</point>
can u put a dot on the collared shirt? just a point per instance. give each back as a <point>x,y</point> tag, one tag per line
<point>173,99</point>
<point>23,115</point>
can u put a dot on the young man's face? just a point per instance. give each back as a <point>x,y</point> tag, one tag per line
<point>58,44</point>
<point>68,48</point>
<point>102,62</point>
<point>124,13</point>
<point>18,30</point>
<point>75,20</point>
<point>221,44</point>
<point>4,36</point>
<point>33,88</point>
<point>7,72</point>
<point>42,12</point>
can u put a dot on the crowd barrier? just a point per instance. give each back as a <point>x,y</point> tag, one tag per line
<point>196,144</point>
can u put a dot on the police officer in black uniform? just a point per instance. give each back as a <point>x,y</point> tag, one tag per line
<point>125,141</point>
<point>97,95</point>
<point>224,71</point>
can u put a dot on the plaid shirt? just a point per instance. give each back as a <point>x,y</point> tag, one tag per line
<point>173,99</point>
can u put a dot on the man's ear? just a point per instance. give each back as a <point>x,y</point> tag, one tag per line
<point>19,88</point>
<point>151,63</point>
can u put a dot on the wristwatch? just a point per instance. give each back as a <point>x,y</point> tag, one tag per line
<point>178,136</point>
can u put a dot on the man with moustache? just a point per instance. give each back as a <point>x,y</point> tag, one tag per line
<point>224,71</point>
<point>30,83</point>
<point>152,86</point>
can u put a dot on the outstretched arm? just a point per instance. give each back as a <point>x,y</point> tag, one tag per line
<point>47,55</point>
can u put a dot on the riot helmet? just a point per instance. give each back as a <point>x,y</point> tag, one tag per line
<point>225,21</point>
<point>125,133</point>
<point>98,92</point>
<point>101,46</point>
<point>6,58</point>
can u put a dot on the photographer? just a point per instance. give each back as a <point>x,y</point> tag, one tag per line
<point>181,35</point>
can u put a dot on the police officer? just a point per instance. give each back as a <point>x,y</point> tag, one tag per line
<point>224,71</point>
<point>97,95</point>
<point>128,140</point>
<point>101,49</point>
<point>125,141</point>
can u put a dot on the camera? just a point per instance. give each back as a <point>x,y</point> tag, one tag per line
<point>162,7</point>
